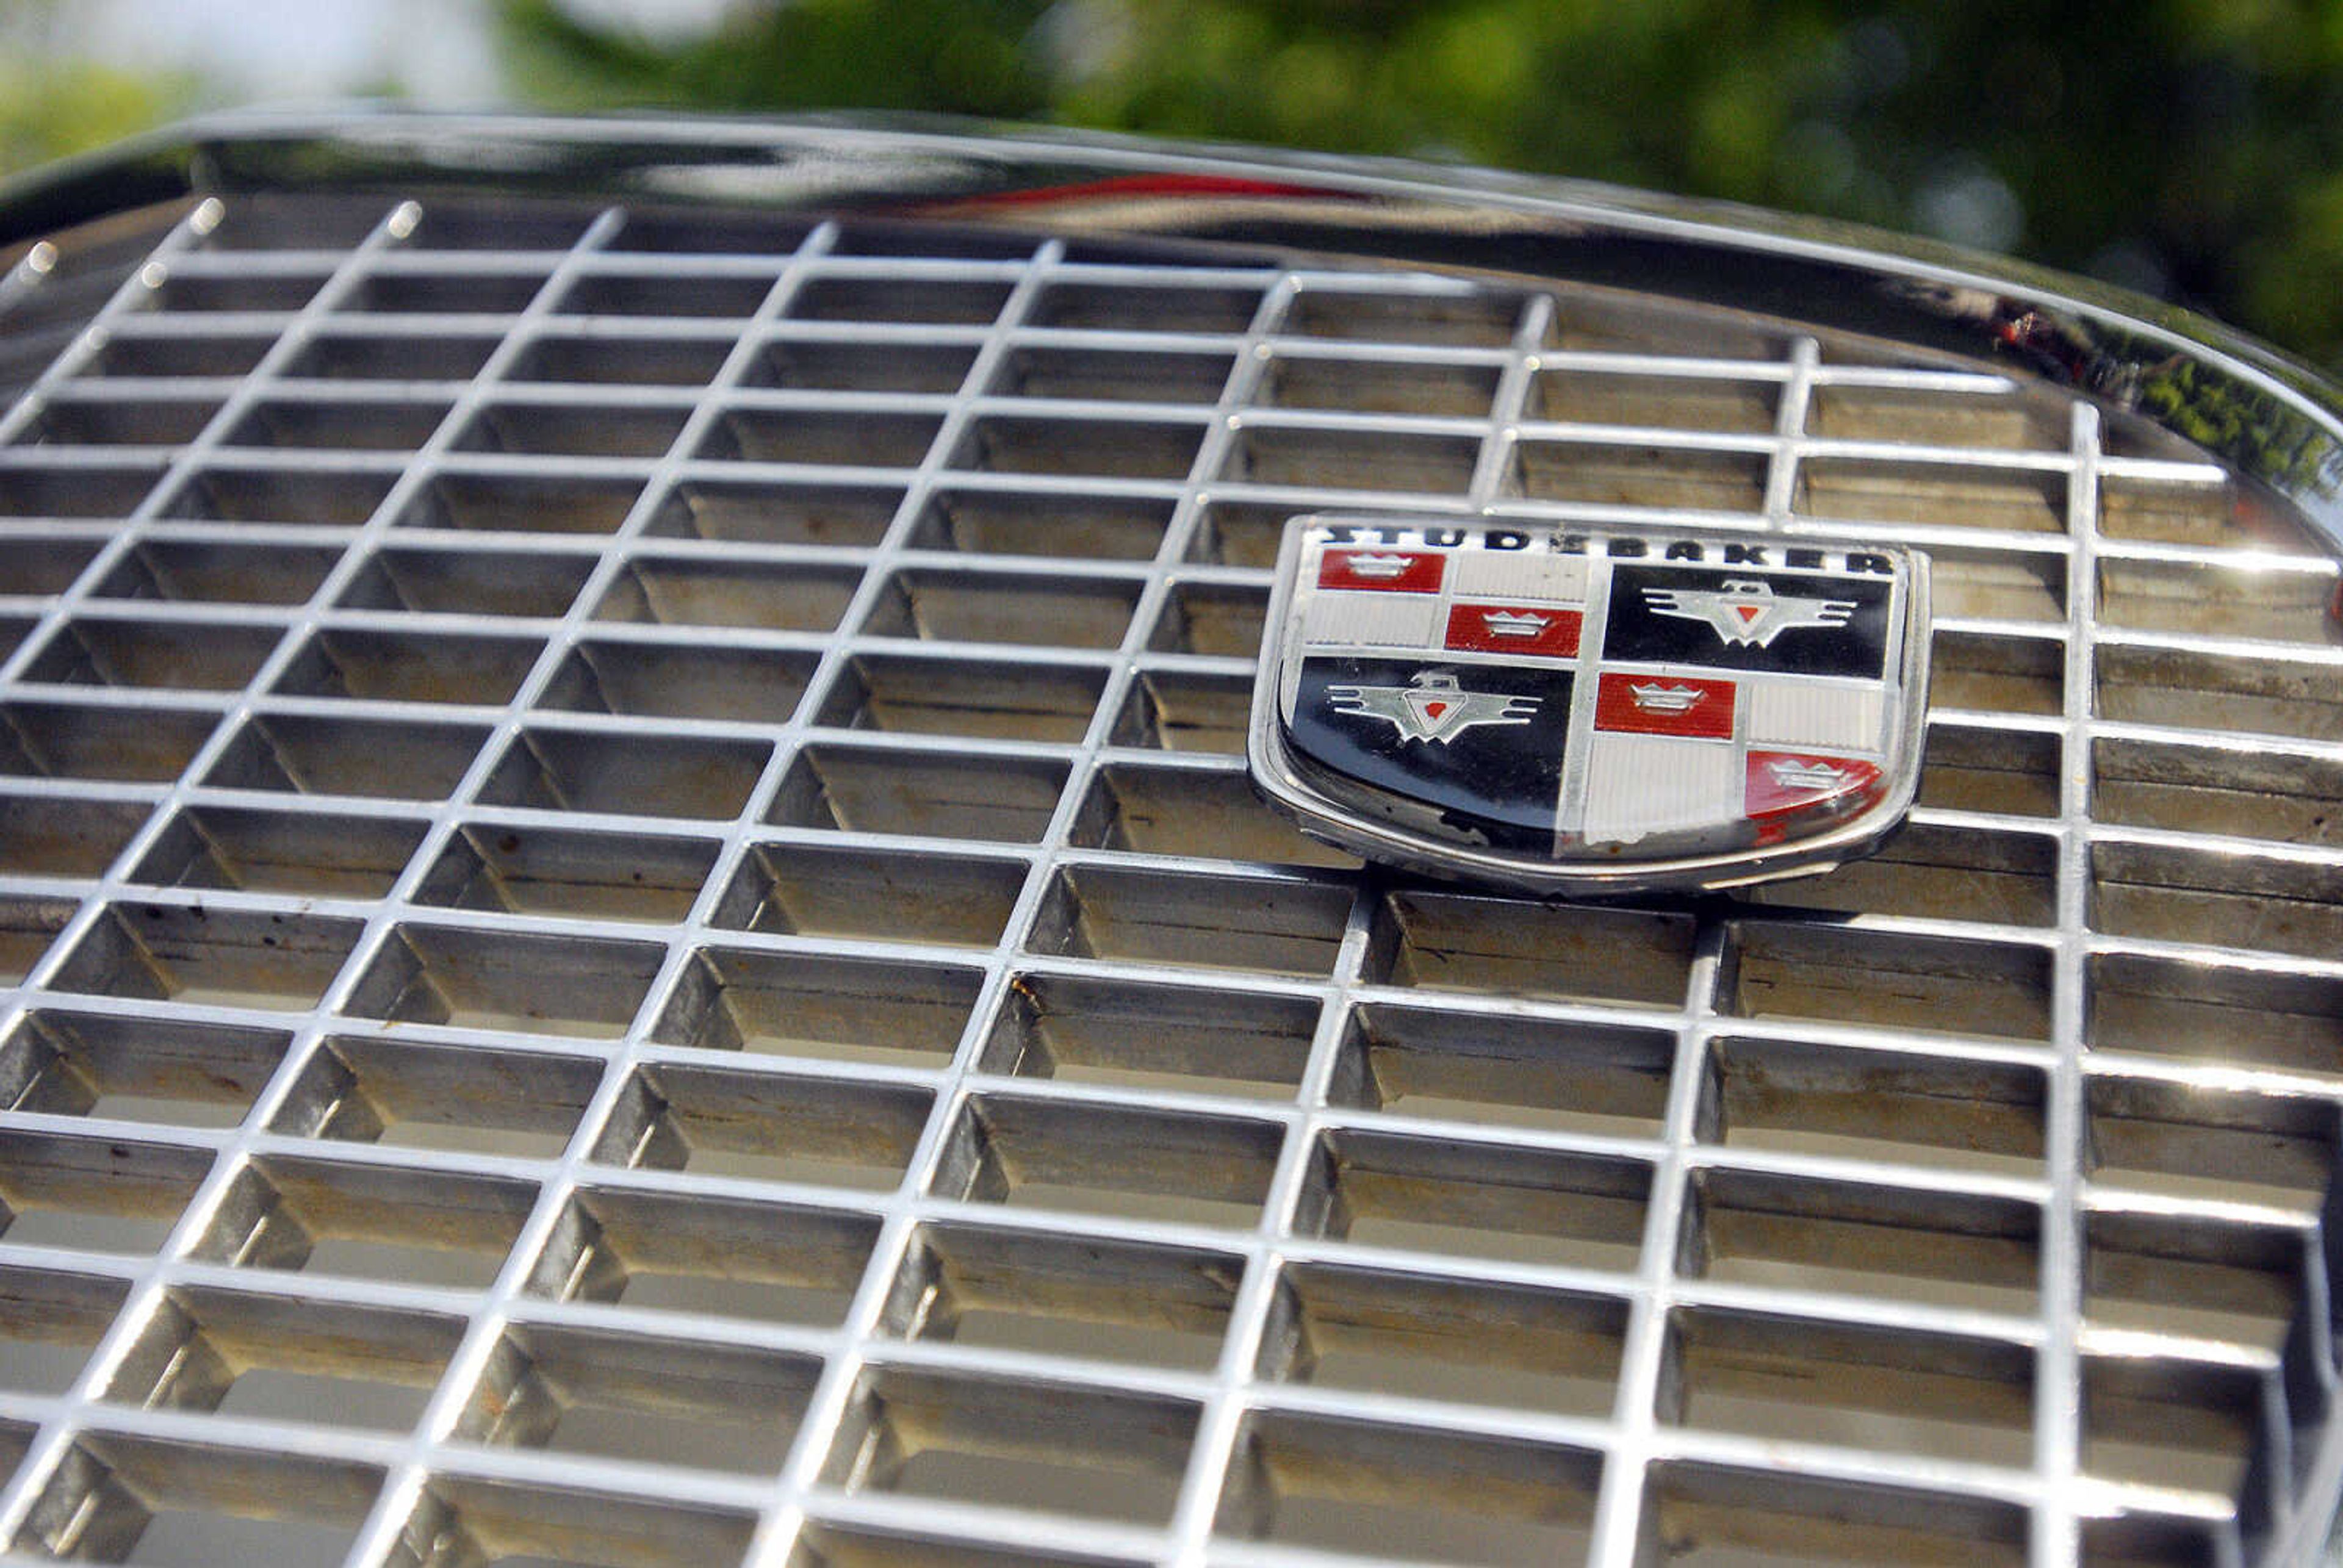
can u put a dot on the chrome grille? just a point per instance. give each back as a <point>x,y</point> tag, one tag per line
<point>641,940</point>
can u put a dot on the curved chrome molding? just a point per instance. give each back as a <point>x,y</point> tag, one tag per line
<point>2275,420</point>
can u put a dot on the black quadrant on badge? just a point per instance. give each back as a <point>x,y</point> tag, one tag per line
<point>1502,779</point>
<point>1673,615</point>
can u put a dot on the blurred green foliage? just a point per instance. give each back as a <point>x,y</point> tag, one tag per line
<point>54,103</point>
<point>2191,148</point>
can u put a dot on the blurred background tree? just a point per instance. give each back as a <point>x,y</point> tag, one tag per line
<point>2193,149</point>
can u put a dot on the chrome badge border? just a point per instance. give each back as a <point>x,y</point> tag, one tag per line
<point>1282,782</point>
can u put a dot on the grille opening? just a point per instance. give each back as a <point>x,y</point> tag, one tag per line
<point>665,293</point>
<point>827,1545</point>
<point>463,1521</point>
<point>861,364</point>
<point>175,655</point>
<point>1147,308</point>
<point>276,1358</point>
<point>2285,797</point>
<point>1704,1515</point>
<point>2190,1276</point>
<point>1186,710</point>
<point>706,1254</point>
<point>1457,1340</point>
<point>2135,1538</point>
<point>2215,899</point>
<point>46,565</point>
<point>473,977</point>
<point>2170,1424</point>
<point>1248,533</point>
<point>1603,474</point>
<point>128,354</point>
<point>1055,1448</point>
<point>218,572</point>
<point>136,1067</point>
<point>554,872</point>
<point>71,492</point>
<point>1998,586</point>
<point>1998,674</point>
<point>1194,812</point>
<point>499,226</point>
<point>73,741</point>
<point>1488,1200</point>
<point>1333,1484</point>
<point>186,953</point>
<point>49,1323</point>
<point>69,421</point>
<point>47,837</point>
<point>2276,693</point>
<point>666,357</point>
<point>1288,927</point>
<point>94,1194</point>
<point>1510,1070</point>
<point>1135,1163</point>
<point>2215,1013</point>
<point>1978,416</point>
<point>540,583</point>
<point>2282,603</point>
<point>2010,500</point>
<point>1821,973</point>
<point>1937,873</point>
<point>28,924</point>
<point>1876,1390</point>
<point>803,889</point>
<point>1930,1113</point>
<point>752,595</point>
<point>1090,526</point>
<point>138,1500</point>
<point>1463,317</point>
<point>383,1222</point>
<point>864,438</point>
<point>1078,1297</point>
<point>340,425</point>
<point>307,496</point>
<point>1938,1246</point>
<point>388,758</point>
<point>880,1011</point>
<point>1351,459</point>
<point>1113,376</point>
<point>1000,607</point>
<point>894,297</point>
<point>538,504</point>
<point>573,429</point>
<point>309,852</point>
<point>938,794</point>
<point>765,1126</point>
<point>704,777</point>
<point>446,292</point>
<point>1004,701</point>
<point>1457,942</point>
<point>774,512</point>
<point>2196,1144</point>
<point>1211,618</point>
<point>1297,379</point>
<point>411,667</point>
<point>462,1097</point>
<point>1136,1035</point>
<point>258,292</point>
<point>2005,772</point>
<point>350,356</point>
<point>2203,509</point>
<point>646,677</point>
<point>645,1400</point>
<point>1109,448</point>
<point>1573,395</point>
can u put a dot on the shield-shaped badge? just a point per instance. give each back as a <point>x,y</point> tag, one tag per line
<point>1573,712</point>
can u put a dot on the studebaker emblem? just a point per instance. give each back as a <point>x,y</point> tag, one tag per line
<point>1571,711</point>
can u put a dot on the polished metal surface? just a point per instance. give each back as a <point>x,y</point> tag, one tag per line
<point>637,935</point>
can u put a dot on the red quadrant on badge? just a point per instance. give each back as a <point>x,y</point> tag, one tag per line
<point>1539,631</point>
<point>1392,572</point>
<point>1793,780</point>
<point>1664,705</point>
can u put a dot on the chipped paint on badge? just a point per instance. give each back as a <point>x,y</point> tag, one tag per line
<point>1599,710</point>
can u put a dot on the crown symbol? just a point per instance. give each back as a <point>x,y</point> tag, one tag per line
<point>1380,566</point>
<point>1789,773</point>
<point>1667,698</point>
<point>1514,623</point>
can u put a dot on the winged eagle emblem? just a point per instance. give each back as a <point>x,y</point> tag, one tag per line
<point>1432,707</point>
<point>1747,610</point>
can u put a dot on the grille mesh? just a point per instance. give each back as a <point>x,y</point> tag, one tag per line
<point>642,942</point>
